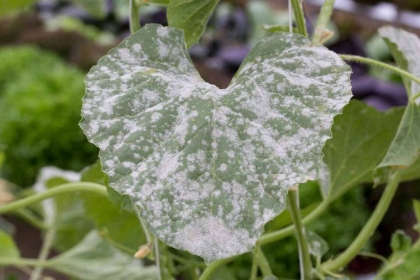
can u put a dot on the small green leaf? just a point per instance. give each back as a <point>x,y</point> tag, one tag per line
<point>190,16</point>
<point>209,167</point>
<point>400,242</point>
<point>317,245</point>
<point>361,137</point>
<point>403,264</point>
<point>405,48</point>
<point>8,246</point>
<point>94,259</point>
<point>406,145</point>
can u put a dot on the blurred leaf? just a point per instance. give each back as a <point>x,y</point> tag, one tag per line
<point>416,206</point>
<point>8,6</point>
<point>95,8</point>
<point>191,16</point>
<point>223,273</point>
<point>400,242</point>
<point>95,259</point>
<point>405,47</point>
<point>118,224</point>
<point>317,245</point>
<point>270,277</point>
<point>406,144</point>
<point>404,262</point>
<point>8,246</point>
<point>156,2</point>
<point>65,210</point>
<point>361,137</point>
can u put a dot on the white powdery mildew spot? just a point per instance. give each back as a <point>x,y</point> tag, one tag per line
<point>213,238</point>
<point>210,167</point>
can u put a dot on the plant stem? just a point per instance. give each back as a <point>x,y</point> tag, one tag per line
<point>323,19</point>
<point>284,232</point>
<point>134,16</point>
<point>254,268</point>
<point>143,224</point>
<point>369,228</point>
<point>62,189</point>
<point>299,17</point>
<point>304,257</point>
<point>31,218</point>
<point>263,263</point>
<point>383,65</point>
<point>213,267</point>
<point>22,262</point>
<point>45,250</point>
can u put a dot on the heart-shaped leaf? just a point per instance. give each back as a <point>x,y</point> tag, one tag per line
<point>209,167</point>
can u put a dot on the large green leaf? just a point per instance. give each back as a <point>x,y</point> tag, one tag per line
<point>209,167</point>
<point>190,16</point>
<point>8,246</point>
<point>405,48</point>
<point>361,137</point>
<point>95,259</point>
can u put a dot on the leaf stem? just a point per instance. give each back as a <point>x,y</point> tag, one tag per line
<point>134,16</point>
<point>31,218</point>
<point>213,267</point>
<point>284,232</point>
<point>18,262</point>
<point>369,228</point>
<point>389,67</point>
<point>299,17</point>
<point>304,257</point>
<point>254,268</point>
<point>62,189</point>
<point>323,19</point>
<point>45,250</point>
<point>263,263</point>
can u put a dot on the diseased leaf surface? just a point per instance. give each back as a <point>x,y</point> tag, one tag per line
<point>405,48</point>
<point>190,16</point>
<point>209,167</point>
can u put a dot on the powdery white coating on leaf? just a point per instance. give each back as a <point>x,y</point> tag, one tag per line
<point>210,167</point>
